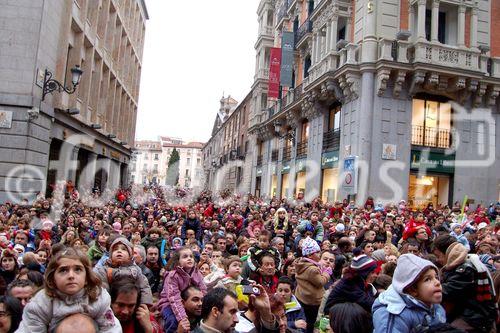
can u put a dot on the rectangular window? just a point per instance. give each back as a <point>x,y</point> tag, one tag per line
<point>145,166</point>
<point>334,118</point>
<point>260,148</point>
<point>187,173</point>
<point>188,161</point>
<point>263,101</point>
<point>441,26</point>
<point>305,131</point>
<point>431,123</point>
<point>155,168</point>
<point>156,157</point>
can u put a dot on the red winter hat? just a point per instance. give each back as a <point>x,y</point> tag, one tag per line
<point>412,227</point>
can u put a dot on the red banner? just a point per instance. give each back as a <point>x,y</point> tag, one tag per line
<point>274,73</point>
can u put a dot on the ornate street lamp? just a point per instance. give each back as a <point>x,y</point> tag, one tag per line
<point>278,127</point>
<point>50,84</point>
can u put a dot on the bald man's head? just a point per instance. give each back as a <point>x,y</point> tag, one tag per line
<point>77,323</point>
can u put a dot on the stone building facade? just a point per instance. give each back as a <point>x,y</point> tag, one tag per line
<point>393,99</point>
<point>150,161</point>
<point>225,161</point>
<point>86,136</point>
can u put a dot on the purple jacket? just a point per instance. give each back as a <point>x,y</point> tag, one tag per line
<point>175,282</point>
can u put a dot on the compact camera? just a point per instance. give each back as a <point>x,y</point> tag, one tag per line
<point>251,290</point>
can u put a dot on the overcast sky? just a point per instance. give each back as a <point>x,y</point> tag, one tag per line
<point>194,51</point>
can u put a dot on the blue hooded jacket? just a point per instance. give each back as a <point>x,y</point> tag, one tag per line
<point>402,313</point>
<point>294,312</point>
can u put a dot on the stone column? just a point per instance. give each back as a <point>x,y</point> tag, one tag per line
<point>313,49</point>
<point>473,28</point>
<point>114,175</point>
<point>370,44</point>
<point>318,47</point>
<point>334,33</point>
<point>435,20</point>
<point>348,29</point>
<point>314,152</point>
<point>461,26</point>
<point>421,20</point>
<point>328,37</point>
<point>321,45</point>
<point>262,59</point>
<point>87,177</point>
<point>411,15</point>
<point>73,164</point>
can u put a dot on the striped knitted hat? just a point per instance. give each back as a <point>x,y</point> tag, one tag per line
<point>363,265</point>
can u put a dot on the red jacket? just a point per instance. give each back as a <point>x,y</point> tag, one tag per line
<point>131,327</point>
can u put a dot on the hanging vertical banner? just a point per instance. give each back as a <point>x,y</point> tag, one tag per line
<point>274,73</point>
<point>287,40</point>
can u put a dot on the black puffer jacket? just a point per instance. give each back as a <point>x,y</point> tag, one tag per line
<point>351,291</point>
<point>460,298</point>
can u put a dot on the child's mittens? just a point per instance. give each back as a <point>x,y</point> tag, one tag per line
<point>325,270</point>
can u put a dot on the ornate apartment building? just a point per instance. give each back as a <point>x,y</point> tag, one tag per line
<point>150,162</point>
<point>225,161</point>
<point>85,136</point>
<point>393,99</point>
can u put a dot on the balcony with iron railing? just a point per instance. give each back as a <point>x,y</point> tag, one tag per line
<point>274,155</point>
<point>302,149</point>
<point>293,95</point>
<point>298,91</point>
<point>302,31</point>
<point>240,152</point>
<point>431,137</point>
<point>287,153</point>
<point>331,139</point>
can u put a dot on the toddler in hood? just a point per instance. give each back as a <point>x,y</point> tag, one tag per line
<point>121,265</point>
<point>456,231</point>
<point>412,302</point>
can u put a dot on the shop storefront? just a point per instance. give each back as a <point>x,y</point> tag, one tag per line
<point>434,181</point>
<point>329,176</point>
<point>300,177</point>
<point>285,186</point>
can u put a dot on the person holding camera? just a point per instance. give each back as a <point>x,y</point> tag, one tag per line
<point>259,316</point>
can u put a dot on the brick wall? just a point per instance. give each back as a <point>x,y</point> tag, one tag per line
<point>403,15</point>
<point>495,28</point>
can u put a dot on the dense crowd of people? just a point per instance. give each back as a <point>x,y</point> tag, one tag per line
<point>162,263</point>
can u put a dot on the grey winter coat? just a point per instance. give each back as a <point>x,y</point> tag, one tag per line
<point>43,313</point>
